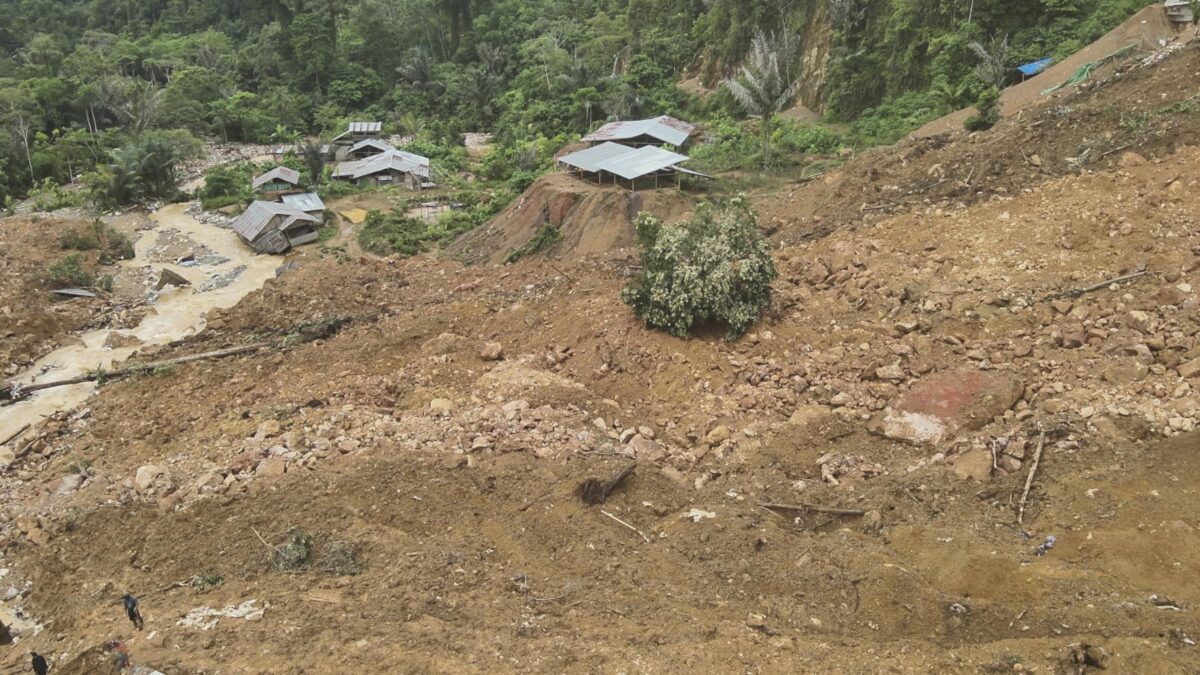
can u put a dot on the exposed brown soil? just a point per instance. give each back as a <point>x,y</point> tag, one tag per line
<point>33,322</point>
<point>1142,109</point>
<point>1142,31</point>
<point>591,218</point>
<point>438,419</point>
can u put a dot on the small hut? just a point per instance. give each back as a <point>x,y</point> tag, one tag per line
<point>278,181</point>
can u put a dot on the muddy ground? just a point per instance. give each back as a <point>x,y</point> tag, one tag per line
<point>423,427</point>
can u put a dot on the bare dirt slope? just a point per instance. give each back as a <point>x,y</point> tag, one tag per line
<point>591,218</point>
<point>418,430</point>
<point>32,320</point>
<point>1143,31</point>
<point>1142,109</point>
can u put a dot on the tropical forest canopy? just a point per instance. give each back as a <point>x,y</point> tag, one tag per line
<point>80,80</point>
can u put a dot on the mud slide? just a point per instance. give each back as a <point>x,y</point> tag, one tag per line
<point>592,218</point>
<point>1144,29</point>
<point>178,312</point>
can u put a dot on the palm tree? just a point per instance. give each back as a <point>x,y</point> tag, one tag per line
<point>314,159</point>
<point>762,88</point>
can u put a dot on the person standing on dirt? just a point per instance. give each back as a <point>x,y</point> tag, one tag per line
<point>132,611</point>
<point>40,667</point>
<point>121,656</point>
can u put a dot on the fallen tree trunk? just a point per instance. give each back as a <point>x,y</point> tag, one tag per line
<point>15,393</point>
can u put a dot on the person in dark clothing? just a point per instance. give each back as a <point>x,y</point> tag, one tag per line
<point>40,667</point>
<point>131,610</point>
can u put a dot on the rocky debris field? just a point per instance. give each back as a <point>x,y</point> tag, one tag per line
<point>33,321</point>
<point>963,440</point>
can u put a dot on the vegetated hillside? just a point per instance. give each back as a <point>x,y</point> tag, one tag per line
<point>395,481</point>
<point>1136,106</point>
<point>83,79</point>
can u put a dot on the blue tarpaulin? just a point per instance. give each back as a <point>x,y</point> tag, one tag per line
<point>1035,67</point>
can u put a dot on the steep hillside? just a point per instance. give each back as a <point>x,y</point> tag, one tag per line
<point>589,218</point>
<point>963,440</point>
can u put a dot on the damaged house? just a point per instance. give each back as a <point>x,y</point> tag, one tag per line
<point>391,167</point>
<point>658,131</point>
<point>273,227</point>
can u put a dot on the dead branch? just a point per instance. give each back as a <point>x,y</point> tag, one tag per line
<point>1037,458</point>
<point>14,392</point>
<point>1105,284</point>
<point>594,491</point>
<point>531,502</point>
<point>640,533</point>
<point>812,508</point>
<point>15,435</point>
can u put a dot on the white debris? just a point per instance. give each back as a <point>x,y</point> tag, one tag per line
<point>696,515</point>
<point>206,618</point>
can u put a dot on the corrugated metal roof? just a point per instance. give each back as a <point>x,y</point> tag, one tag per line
<point>379,145</point>
<point>309,201</point>
<point>665,128</point>
<point>394,160</point>
<point>641,162</point>
<point>280,172</point>
<point>589,159</point>
<point>366,127</point>
<point>258,216</point>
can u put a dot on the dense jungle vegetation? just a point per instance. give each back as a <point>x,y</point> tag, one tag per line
<point>115,90</point>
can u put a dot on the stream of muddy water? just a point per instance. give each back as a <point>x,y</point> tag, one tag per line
<point>178,312</point>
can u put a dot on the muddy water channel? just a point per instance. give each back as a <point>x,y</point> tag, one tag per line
<point>234,272</point>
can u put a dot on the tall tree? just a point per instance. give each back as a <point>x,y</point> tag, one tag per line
<point>762,87</point>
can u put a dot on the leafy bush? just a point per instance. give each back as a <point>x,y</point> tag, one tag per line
<point>49,196</point>
<point>206,581</point>
<point>227,185</point>
<point>989,111</point>
<point>69,271</point>
<point>715,269</point>
<point>385,234</point>
<point>340,559</point>
<point>545,238</point>
<point>114,245</point>
<point>733,146</point>
<point>295,553</point>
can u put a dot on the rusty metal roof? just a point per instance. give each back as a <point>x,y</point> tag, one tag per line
<point>665,128</point>
<point>278,173</point>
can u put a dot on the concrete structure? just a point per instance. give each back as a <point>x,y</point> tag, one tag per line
<point>277,181</point>
<point>272,227</point>
<point>1179,11</point>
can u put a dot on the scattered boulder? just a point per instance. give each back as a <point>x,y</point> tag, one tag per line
<point>940,405</point>
<point>7,457</point>
<point>492,351</point>
<point>646,449</point>
<point>718,435</point>
<point>974,465</point>
<point>446,343</point>
<point>441,407</point>
<point>272,466</point>
<point>66,484</point>
<point>152,479</point>
<point>118,340</point>
<point>1190,370</point>
<point>268,429</point>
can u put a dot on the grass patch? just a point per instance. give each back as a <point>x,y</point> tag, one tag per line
<point>546,238</point>
<point>113,245</point>
<point>69,271</point>
<point>340,559</point>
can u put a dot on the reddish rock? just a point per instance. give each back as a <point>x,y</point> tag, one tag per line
<point>939,405</point>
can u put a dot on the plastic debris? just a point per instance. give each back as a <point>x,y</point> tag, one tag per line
<point>696,515</point>
<point>1044,547</point>
<point>206,618</point>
